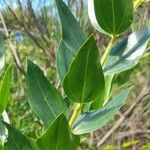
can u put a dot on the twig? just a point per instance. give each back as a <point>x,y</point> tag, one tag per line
<point>26,27</point>
<point>122,135</point>
<point>12,47</point>
<point>145,92</point>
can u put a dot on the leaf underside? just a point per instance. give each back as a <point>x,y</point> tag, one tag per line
<point>96,119</point>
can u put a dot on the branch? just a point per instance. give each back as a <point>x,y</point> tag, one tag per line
<point>122,135</point>
<point>12,47</point>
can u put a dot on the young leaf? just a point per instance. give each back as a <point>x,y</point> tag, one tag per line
<point>73,36</point>
<point>57,136</point>
<point>64,60</point>
<point>84,81</point>
<point>126,54</point>
<point>5,91</point>
<point>17,141</point>
<point>112,16</point>
<point>43,98</point>
<point>1,52</point>
<point>93,120</point>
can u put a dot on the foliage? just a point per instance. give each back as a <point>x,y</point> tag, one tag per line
<point>86,79</point>
<point>110,147</point>
<point>129,144</point>
<point>145,146</point>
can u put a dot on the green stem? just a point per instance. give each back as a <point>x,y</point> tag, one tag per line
<point>103,61</point>
<point>108,49</point>
<point>79,106</point>
<point>75,114</point>
<point>108,84</point>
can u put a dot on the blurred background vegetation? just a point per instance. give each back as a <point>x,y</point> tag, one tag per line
<point>34,31</point>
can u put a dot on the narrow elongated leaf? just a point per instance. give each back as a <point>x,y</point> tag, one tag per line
<point>1,52</point>
<point>112,16</point>
<point>126,54</point>
<point>5,91</point>
<point>93,120</point>
<point>64,60</point>
<point>17,141</point>
<point>57,136</point>
<point>43,98</point>
<point>73,36</point>
<point>84,81</point>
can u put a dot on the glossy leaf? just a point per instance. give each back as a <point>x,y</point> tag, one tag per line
<point>93,120</point>
<point>111,16</point>
<point>43,98</point>
<point>1,52</point>
<point>17,141</point>
<point>73,36</point>
<point>64,60</point>
<point>84,81</point>
<point>126,54</point>
<point>57,136</point>
<point>5,91</point>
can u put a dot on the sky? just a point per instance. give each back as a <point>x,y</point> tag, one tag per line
<point>37,4</point>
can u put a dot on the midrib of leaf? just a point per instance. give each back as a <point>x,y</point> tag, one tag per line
<point>72,94</point>
<point>124,16</point>
<point>58,135</point>
<point>66,66</point>
<point>113,15</point>
<point>75,40</point>
<point>85,74</point>
<point>102,19</point>
<point>43,95</point>
<point>73,53</point>
<point>33,98</point>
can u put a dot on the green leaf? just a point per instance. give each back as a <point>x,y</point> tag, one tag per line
<point>43,98</point>
<point>1,52</point>
<point>57,136</point>
<point>96,119</point>
<point>5,90</point>
<point>126,54</point>
<point>17,141</point>
<point>84,81</point>
<point>112,16</point>
<point>123,77</point>
<point>73,36</point>
<point>64,60</point>
<point>100,102</point>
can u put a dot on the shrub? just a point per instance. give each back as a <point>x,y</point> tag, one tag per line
<point>85,76</point>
